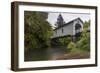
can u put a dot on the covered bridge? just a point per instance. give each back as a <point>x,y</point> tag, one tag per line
<point>72,28</point>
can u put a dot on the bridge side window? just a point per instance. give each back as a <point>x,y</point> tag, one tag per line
<point>62,30</point>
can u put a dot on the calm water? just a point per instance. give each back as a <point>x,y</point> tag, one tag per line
<point>49,54</point>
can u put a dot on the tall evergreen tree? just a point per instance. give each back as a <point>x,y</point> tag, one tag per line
<point>60,21</point>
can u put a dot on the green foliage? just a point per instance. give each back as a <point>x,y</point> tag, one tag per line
<point>71,46</point>
<point>37,30</point>
<point>65,41</point>
<point>86,24</point>
<point>84,42</point>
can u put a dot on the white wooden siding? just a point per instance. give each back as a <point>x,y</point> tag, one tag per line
<point>67,30</point>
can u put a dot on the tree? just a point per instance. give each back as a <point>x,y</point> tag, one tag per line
<point>37,30</point>
<point>86,24</point>
<point>60,21</point>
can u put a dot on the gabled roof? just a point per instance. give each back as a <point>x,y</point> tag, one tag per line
<point>68,23</point>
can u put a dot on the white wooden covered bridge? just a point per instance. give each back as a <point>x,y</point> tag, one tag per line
<point>71,28</point>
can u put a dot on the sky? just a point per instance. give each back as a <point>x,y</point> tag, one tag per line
<point>52,17</point>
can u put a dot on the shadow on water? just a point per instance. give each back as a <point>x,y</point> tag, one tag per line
<point>36,55</point>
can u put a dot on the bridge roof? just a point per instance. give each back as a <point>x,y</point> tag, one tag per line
<point>68,23</point>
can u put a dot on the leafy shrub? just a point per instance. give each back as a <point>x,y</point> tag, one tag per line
<point>65,41</point>
<point>71,46</point>
<point>84,42</point>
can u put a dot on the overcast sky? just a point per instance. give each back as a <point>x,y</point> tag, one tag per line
<point>52,17</point>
